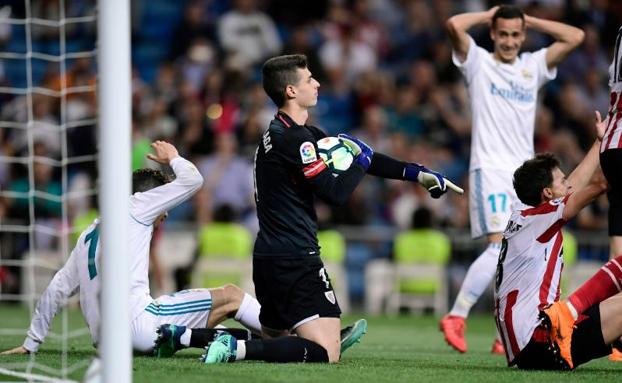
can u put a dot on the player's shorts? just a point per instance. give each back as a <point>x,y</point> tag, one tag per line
<point>188,308</point>
<point>611,163</point>
<point>587,344</point>
<point>491,197</point>
<point>293,291</point>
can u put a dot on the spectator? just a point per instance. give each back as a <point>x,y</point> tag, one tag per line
<point>247,35</point>
<point>228,177</point>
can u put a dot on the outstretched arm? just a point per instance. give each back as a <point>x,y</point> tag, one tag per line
<point>587,179</point>
<point>64,284</point>
<point>581,175</point>
<point>567,38</point>
<point>384,166</point>
<point>458,25</point>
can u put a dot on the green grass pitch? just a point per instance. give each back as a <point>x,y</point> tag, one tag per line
<point>400,349</point>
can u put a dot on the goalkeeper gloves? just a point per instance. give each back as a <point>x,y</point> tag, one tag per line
<point>434,182</point>
<point>362,151</point>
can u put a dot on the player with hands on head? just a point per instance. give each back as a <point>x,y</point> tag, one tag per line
<point>503,90</point>
<point>291,282</point>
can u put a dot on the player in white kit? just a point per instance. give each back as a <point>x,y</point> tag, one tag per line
<point>537,329</point>
<point>152,197</point>
<point>503,88</point>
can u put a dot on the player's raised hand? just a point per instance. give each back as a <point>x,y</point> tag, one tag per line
<point>601,126</point>
<point>15,351</point>
<point>164,152</point>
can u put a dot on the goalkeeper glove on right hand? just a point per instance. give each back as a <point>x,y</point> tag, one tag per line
<point>362,151</point>
<point>434,182</point>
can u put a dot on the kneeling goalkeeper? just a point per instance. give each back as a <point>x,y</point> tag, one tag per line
<point>291,283</point>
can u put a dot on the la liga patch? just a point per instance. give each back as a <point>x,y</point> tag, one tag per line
<point>307,153</point>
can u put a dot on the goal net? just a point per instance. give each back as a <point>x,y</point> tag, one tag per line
<point>48,173</point>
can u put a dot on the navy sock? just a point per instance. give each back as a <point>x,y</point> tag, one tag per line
<point>201,337</point>
<point>286,349</point>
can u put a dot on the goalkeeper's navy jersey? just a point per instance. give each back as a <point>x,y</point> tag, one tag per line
<point>285,162</point>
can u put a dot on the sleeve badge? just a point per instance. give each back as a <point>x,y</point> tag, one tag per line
<point>307,153</point>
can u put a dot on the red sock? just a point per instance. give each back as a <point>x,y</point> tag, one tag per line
<point>605,283</point>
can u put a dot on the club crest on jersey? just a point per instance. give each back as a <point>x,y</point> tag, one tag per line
<point>526,74</point>
<point>307,153</point>
<point>330,295</point>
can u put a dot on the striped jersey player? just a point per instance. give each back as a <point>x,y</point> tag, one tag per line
<point>528,272</point>
<point>611,151</point>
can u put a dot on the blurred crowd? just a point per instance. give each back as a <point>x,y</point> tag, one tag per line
<point>386,77</point>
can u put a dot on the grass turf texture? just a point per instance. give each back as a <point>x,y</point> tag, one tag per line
<point>400,349</point>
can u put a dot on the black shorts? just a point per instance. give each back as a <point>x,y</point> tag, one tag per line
<point>293,290</point>
<point>611,163</point>
<point>587,344</point>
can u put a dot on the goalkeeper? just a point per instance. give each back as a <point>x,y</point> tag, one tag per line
<point>291,283</point>
<point>153,196</point>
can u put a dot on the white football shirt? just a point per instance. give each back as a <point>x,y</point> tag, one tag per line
<point>81,271</point>
<point>503,100</point>
<point>528,272</point>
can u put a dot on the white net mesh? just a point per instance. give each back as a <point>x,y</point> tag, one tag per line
<point>47,169</point>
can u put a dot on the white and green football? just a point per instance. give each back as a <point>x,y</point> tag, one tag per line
<point>335,154</point>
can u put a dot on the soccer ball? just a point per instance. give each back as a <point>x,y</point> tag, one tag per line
<point>335,154</point>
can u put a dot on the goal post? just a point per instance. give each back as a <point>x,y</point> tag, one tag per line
<point>115,107</point>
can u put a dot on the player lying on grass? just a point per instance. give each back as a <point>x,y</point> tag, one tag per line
<point>172,338</point>
<point>539,331</point>
<point>153,195</point>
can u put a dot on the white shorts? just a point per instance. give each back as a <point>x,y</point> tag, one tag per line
<point>188,308</point>
<point>491,198</point>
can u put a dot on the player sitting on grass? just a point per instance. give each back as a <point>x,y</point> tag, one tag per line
<point>153,195</point>
<point>539,331</point>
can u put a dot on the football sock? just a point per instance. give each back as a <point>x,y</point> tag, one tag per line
<point>605,283</point>
<point>248,314</point>
<point>480,273</point>
<point>201,337</point>
<point>285,350</point>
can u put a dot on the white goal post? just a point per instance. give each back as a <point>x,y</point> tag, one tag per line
<point>115,106</point>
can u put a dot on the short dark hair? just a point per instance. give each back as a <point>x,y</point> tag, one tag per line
<point>279,72</point>
<point>508,12</point>
<point>147,179</point>
<point>533,176</point>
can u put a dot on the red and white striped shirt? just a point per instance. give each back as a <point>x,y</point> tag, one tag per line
<point>613,134</point>
<point>528,272</point>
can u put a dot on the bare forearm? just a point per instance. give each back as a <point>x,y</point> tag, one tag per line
<point>464,21</point>
<point>582,174</point>
<point>560,31</point>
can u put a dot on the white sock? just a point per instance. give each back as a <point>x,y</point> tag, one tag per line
<point>248,314</point>
<point>240,354</point>
<point>185,338</point>
<point>480,273</point>
<point>573,310</point>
